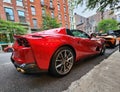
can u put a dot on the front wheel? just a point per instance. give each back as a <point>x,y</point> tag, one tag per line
<point>62,61</point>
<point>102,51</point>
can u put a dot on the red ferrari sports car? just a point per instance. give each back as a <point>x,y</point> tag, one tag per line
<point>54,50</point>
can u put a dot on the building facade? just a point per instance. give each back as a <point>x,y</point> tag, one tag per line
<point>80,22</point>
<point>89,24</point>
<point>32,11</point>
<point>117,13</point>
<point>71,6</point>
<point>55,8</point>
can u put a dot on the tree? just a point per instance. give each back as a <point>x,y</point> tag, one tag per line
<point>10,28</point>
<point>119,25</point>
<point>49,23</point>
<point>108,24</point>
<point>101,5</point>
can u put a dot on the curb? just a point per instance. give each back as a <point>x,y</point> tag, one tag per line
<point>102,78</point>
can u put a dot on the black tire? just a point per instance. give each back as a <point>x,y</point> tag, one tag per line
<point>102,51</point>
<point>10,50</point>
<point>62,61</point>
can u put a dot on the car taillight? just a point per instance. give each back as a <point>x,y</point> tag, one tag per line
<point>23,42</point>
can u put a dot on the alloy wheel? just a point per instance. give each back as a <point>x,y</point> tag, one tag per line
<point>64,61</point>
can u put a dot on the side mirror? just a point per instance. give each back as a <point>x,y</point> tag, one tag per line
<point>93,35</point>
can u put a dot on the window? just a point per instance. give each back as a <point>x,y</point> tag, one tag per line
<point>34,22</point>
<point>21,15</point>
<point>59,16</point>
<point>42,2</point>
<point>66,25</point>
<point>58,6</point>
<point>78,33</point>
<point>65,18</point>
<point>118,18</point>
<point>43,12</point>
<point>9,14</point>
<point>52,14</point>
<point>72,26</point>
<point>8,1</point>
<point>19,2</point>
<point>69,32</point>
<point>31,0</point>
<point>33,10</point>
<point>71,19</point>
<point>51,3</point>
<point>64,9</point>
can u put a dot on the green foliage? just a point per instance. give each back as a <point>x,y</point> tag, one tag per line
<point>3,38</point>
<point>108,24</point>
<point>11,27</point>
<point>49,23</point>
<point>119,25</point>
<point>101,5</point>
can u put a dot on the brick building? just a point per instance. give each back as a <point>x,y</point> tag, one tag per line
<point>55,8</point>
<point>31,11</point>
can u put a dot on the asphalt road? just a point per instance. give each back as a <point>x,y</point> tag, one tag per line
<point>13,81</point>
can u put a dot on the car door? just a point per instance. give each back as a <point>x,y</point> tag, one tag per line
<point>92,45</point>
<point>86,44</point>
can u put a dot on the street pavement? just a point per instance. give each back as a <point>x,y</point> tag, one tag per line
<point>13,81</point>
<point>104,77</point>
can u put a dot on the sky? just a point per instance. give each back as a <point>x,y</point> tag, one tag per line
<point>79,10</point>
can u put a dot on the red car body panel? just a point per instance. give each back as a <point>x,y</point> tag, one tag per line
<point>42,46</point>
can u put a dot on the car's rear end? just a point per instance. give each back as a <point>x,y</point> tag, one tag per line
<point>110,41</point>
<point>33,52</point>
<point>23,57</point>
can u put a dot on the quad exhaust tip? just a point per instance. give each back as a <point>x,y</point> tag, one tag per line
<point>20,70</point>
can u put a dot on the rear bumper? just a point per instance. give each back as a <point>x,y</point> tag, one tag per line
<point>26,68</point>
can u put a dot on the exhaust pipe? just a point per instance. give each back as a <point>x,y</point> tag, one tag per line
<point>20,70</point>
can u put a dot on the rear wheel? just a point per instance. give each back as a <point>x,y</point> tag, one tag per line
<point>62,61</point>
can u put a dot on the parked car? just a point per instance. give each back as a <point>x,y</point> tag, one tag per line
<point>110,39</point>
<point>8,49</point>
<point>54,50</point>
<point>117,33</point>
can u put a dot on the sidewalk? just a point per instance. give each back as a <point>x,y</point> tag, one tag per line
<point>105,77</point>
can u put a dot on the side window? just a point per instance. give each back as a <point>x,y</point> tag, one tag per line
<point>78,33</point>
<point>69,32</point>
